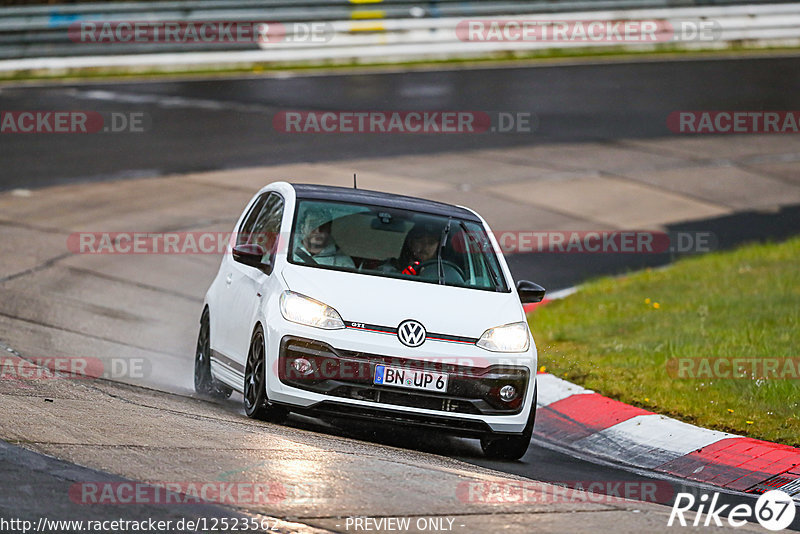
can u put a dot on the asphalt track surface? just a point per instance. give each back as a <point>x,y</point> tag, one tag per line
<point>219,124</point>
<point>227,123</point>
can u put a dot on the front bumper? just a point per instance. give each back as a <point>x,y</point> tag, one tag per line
<point>350,341</point>
<point>349,374</point>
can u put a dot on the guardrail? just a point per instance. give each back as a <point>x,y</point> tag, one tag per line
<point>48,37</point>
<point>693,27</point>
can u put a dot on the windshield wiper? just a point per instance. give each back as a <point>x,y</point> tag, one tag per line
<point>442,242</point>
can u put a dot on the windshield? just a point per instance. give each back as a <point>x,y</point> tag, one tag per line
<point>394,243</point>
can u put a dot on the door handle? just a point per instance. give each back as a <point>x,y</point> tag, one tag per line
<point>229,278</point>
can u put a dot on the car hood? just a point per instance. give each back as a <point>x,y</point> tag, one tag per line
<point>387,301</point>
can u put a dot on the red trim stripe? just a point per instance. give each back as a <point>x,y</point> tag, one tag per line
<point>370,330</point>
<point>451,340</point>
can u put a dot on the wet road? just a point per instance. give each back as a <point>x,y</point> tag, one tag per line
<point>227,123</point>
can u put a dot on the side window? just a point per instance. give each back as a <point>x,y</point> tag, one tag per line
<point>262,225</point>
<point>267,227</point>
<point>246,229</point>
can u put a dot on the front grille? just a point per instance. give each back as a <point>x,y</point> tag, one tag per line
<point>416,399</point>
<point>349,374</point>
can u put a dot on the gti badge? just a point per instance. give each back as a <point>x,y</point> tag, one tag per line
<point>411,333</point>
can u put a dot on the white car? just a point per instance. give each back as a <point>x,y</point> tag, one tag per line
<point>350,303</point>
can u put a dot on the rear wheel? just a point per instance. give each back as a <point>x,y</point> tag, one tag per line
<point>204,382</point>
<point>256,403</point>
<point>502,447</point>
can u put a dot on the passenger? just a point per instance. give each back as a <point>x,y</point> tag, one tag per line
<point>317,242</point>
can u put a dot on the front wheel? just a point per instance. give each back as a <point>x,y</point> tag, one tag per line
<point>501,447</point>
<point>204,382</point>
<point>256,403</point>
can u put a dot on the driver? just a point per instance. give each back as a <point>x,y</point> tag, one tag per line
<point>317,242</point>
<point>420,253</point>
<point>422,245</point>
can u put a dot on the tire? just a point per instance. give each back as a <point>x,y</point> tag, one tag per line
<point>500,447</point>
<point>204,382</point>
<point>256,403</point>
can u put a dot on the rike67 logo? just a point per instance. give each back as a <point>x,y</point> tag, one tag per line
<point>774,510</point>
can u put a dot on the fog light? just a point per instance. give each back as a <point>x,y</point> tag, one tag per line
<point>302,366</point>
<point>508,392</point>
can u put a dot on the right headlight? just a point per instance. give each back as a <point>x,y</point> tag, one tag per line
<point>512,337</point>
<point>304,310</point>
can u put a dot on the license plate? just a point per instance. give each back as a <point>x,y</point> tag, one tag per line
<point>409,378</point>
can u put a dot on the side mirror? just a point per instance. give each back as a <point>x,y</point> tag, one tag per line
<point>250,255</point>
<point>529,292</point>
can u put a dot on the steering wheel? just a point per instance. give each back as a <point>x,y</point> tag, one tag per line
<point>435,263</point>
<point>305,256</point>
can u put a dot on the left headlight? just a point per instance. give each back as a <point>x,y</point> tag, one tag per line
<point>304,310</point>
<point>512,337</point>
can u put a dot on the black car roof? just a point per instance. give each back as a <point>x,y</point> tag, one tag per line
<point>378,198</point>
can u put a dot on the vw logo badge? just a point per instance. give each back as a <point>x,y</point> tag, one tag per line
<point>411,333</point>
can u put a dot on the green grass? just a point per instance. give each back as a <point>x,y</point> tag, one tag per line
<point>616,335</point>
